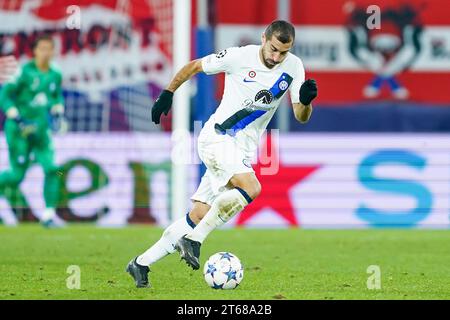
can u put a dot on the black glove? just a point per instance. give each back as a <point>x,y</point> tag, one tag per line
<point>58,123</point>
<point>162,104</point>
<point>308,91</point>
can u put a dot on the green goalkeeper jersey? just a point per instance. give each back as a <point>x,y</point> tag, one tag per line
<point>33,92</point>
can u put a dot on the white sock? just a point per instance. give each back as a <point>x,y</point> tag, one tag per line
<point>166,245</point>
<point>49,213</point>
<point>224,207</point>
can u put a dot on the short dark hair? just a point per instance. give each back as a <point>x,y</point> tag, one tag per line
<point>43,37</point>
<point>283,31</point>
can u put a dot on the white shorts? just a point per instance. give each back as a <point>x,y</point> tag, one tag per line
<point>223,158</point>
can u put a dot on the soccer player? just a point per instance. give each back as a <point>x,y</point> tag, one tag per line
<point>8,66</point>
<point>30,99</point>
<point>257,77</point>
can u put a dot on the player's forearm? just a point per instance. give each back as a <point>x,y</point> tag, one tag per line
<point>57,105</point>
<point>187,72</point>
<point>164,101</point>
<point>302,113</point>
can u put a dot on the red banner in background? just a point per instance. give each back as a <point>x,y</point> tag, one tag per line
<point>56,9</point>
<point>117,43</point>
<point>115,55</point>
<point>406,59</point>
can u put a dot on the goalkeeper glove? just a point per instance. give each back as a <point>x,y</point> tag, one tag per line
<point>308,91</point>
<point>27,128</point>
<point>59,124</point>
<point>162,104</point>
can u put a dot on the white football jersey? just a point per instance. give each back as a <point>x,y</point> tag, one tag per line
<point>252,92</point>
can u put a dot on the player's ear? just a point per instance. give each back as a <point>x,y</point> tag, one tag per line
<point>263,39</point>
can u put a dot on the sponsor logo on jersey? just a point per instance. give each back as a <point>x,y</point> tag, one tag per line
<point>39,100</point>
<point>264,97</point>
<point>249,104</point>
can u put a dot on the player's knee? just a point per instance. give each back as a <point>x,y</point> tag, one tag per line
<point>250,185</point>
<point>253,190</point>
<point>198,211</point>
<point>196,216</point>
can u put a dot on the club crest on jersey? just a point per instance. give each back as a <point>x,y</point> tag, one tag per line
<point>221,54</point>
<point>252,74</point>
<point>283,85</point>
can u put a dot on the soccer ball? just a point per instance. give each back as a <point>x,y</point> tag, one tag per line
<point>223,270</point>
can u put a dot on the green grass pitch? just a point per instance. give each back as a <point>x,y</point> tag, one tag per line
<point>279,264</point>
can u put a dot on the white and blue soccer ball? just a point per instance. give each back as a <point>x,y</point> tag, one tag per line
<point>223,270</point>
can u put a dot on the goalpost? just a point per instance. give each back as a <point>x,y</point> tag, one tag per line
<point>180,120</point>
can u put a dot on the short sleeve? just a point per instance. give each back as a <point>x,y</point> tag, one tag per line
<point>298,81</point>
<point>224,61</point>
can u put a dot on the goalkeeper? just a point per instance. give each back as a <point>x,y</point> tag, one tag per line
<point>33,104</point>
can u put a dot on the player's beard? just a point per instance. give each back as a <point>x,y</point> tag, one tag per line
<point>269,63</point>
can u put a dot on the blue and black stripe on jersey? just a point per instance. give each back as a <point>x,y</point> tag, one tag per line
<point>244,117</point>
